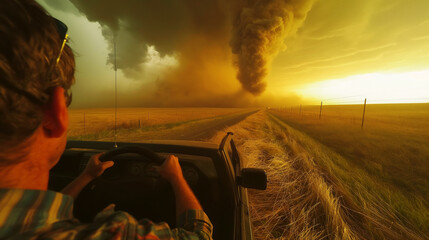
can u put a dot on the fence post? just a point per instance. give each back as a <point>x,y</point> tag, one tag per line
<point>363,116</point>
<point>300,109</point>
<point>139,123</point>
<point>84,124</point>
<point>320,114</point>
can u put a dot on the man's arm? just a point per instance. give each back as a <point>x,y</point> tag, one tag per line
<point>189,213</point>
<point>185,198</point>
<point>193,223</point>
<point>93,169</point>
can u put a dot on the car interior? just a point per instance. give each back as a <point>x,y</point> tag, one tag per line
<point>134,186</point>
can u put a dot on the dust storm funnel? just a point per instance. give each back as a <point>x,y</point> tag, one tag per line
<point>259,31</point>
<point>215,42</point>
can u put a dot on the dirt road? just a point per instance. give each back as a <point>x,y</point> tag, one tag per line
<point>196,130</point>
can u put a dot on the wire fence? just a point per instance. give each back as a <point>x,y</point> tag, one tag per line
<point>356,109</point>
<point>91,121</point>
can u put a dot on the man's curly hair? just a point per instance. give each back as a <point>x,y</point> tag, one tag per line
<point>29,47</point>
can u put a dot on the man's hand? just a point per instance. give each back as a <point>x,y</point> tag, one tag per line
<point>170,169</point>
<point>95,167</point>
<point>185,198</point>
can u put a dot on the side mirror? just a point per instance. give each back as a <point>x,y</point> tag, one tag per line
<point>253,178</point>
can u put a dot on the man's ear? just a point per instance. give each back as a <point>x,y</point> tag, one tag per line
<point>55,120</point>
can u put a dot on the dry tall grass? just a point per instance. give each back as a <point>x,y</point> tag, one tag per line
<point>302,201</point>
<point>389,156</point>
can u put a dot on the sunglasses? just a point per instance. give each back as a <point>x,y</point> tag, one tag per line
<point>62,32</point>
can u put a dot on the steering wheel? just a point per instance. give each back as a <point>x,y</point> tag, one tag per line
<point>109,155</point>
<point>142,195</point>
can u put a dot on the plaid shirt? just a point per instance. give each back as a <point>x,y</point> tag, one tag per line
<point>34,214</point>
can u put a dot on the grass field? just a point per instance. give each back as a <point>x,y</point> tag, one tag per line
<point>314,192</point>
<point>328,178</point>
<point>385,163</point>
<point>92,122</point>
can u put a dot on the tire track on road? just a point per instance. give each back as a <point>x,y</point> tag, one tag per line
<point>196,130</point>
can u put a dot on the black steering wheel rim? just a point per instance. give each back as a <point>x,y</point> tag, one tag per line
<point>90,192</point>
<point>109,155</point>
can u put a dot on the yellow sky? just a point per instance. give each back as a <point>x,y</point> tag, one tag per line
<point>378,49</point>
<point>408,87</point>
<point>344,43</point>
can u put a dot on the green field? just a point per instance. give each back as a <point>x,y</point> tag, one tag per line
<point>383,166</point>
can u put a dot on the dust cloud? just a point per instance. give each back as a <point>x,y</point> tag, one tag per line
<point>215,42</point>
<point>259,32</point>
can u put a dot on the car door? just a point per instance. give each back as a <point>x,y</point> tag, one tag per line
<point>243,228</point>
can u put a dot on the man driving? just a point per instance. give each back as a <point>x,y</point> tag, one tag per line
<point>36,72</point>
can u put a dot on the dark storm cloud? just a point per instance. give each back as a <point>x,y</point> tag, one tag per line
<point>164,24</point>
<point>134,25</point>
<point>209,38</point>
<point>64,6</point>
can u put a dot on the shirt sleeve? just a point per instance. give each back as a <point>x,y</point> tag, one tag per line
<point>192,225</point>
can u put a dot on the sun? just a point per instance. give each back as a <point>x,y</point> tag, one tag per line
<point>407,87</point>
